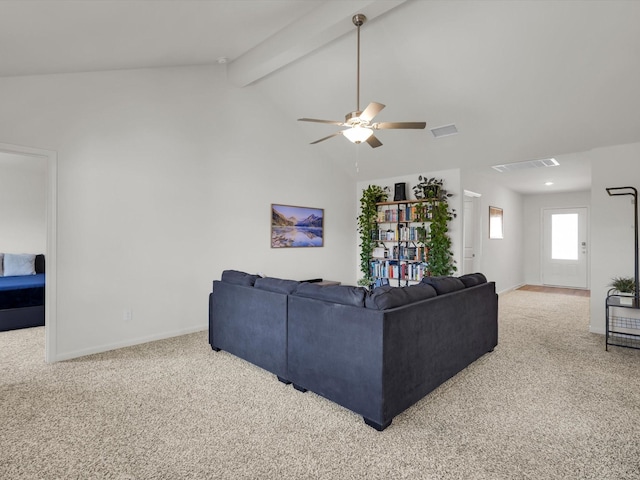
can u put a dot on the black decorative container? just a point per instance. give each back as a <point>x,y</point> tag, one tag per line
<point>400,192</point>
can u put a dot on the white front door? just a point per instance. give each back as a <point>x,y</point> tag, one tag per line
<point>564,253</point>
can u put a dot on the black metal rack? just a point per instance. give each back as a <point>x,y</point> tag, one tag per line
<point>624,330</point>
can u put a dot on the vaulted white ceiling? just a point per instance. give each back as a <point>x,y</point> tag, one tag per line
<point>521,80</point>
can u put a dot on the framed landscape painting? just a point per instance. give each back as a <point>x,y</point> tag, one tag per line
<point>296,226</point>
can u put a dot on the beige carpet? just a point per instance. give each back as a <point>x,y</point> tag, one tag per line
<point>548,403</point>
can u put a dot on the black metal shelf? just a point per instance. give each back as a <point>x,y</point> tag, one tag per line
<point>622,330</point>
<point>625,331</point>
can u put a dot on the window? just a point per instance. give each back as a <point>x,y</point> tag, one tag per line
<point>495,222</point>
<point>564,236</point>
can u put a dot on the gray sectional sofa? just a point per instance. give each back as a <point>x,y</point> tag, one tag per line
<point>375,353</point>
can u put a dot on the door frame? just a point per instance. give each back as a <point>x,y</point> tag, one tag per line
<point>542,240</point>
<point>477,229</point>
<point>50,295</point>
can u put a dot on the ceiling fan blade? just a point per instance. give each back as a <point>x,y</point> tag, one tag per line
<point>388,125</point>
<point>371,111</point>
<point>326,138</point>
<point>330,122</point>
<point>373,141</point>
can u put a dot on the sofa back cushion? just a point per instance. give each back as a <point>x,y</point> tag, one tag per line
<point>383,298</point>
<point>239,278</point>
<point>342,294</point>
<point>473,279</point>
<point>277,285</point>
<point>444,284</point>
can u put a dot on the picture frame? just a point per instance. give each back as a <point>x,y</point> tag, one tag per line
<point>496,227</point>
<point>293,226</point>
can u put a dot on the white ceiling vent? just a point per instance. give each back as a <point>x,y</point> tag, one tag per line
<point>517,166</point>
<point>444,131</point>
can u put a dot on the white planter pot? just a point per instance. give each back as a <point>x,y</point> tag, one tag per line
<point>626,300</point>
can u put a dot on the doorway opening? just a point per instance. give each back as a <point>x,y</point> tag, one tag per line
<point>51,159</point>
<point>471,233</point>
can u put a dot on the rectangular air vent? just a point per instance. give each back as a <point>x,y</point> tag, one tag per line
<point>514,167</point>
<point>444,131</point>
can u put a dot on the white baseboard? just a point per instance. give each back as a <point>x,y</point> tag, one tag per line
<point>128,343</point>
<point>510,289</point>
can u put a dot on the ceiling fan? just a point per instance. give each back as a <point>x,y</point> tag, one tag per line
<point>359,122</point>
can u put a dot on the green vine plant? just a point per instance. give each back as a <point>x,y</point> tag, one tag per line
<point>367,226</point>
<point>434,207</point>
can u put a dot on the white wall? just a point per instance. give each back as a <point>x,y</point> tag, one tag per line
<point>500,260</point>
<point>451,179</point>
<point>612,232</point>
<point>23,188</point>
<point>165,178</point>
<point>533,208</point>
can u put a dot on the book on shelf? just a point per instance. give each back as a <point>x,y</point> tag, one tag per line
<point>400,232</point>
<point>412,253</point>
<point>405,213</point>
<point>396,269</point>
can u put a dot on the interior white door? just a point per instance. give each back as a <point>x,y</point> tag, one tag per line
<point>564,255</point>
<point>469,233</point>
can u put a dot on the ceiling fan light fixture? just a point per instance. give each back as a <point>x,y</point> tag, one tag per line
<point>357,134</point>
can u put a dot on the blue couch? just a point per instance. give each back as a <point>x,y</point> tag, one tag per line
<point>375,353</point>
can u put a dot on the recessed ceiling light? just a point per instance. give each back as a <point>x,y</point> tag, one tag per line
<point>548,184</point>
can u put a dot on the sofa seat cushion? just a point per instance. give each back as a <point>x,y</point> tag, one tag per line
<point>342,294</point>
<point>239,278</point>
<point>444,284</point>
<point>473,279</point>
<point>277,285</point>
<point>384,298</point>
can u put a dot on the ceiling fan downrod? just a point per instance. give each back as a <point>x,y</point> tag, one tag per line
<point>358,20</point>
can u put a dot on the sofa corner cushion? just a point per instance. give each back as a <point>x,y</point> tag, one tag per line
<point>239,278</point>
<point>343,294</point>
<point>384,298</point>
<point>473,279</point>
<point>277,285</point>
<point>444,284</point>
<point>17,264</point>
